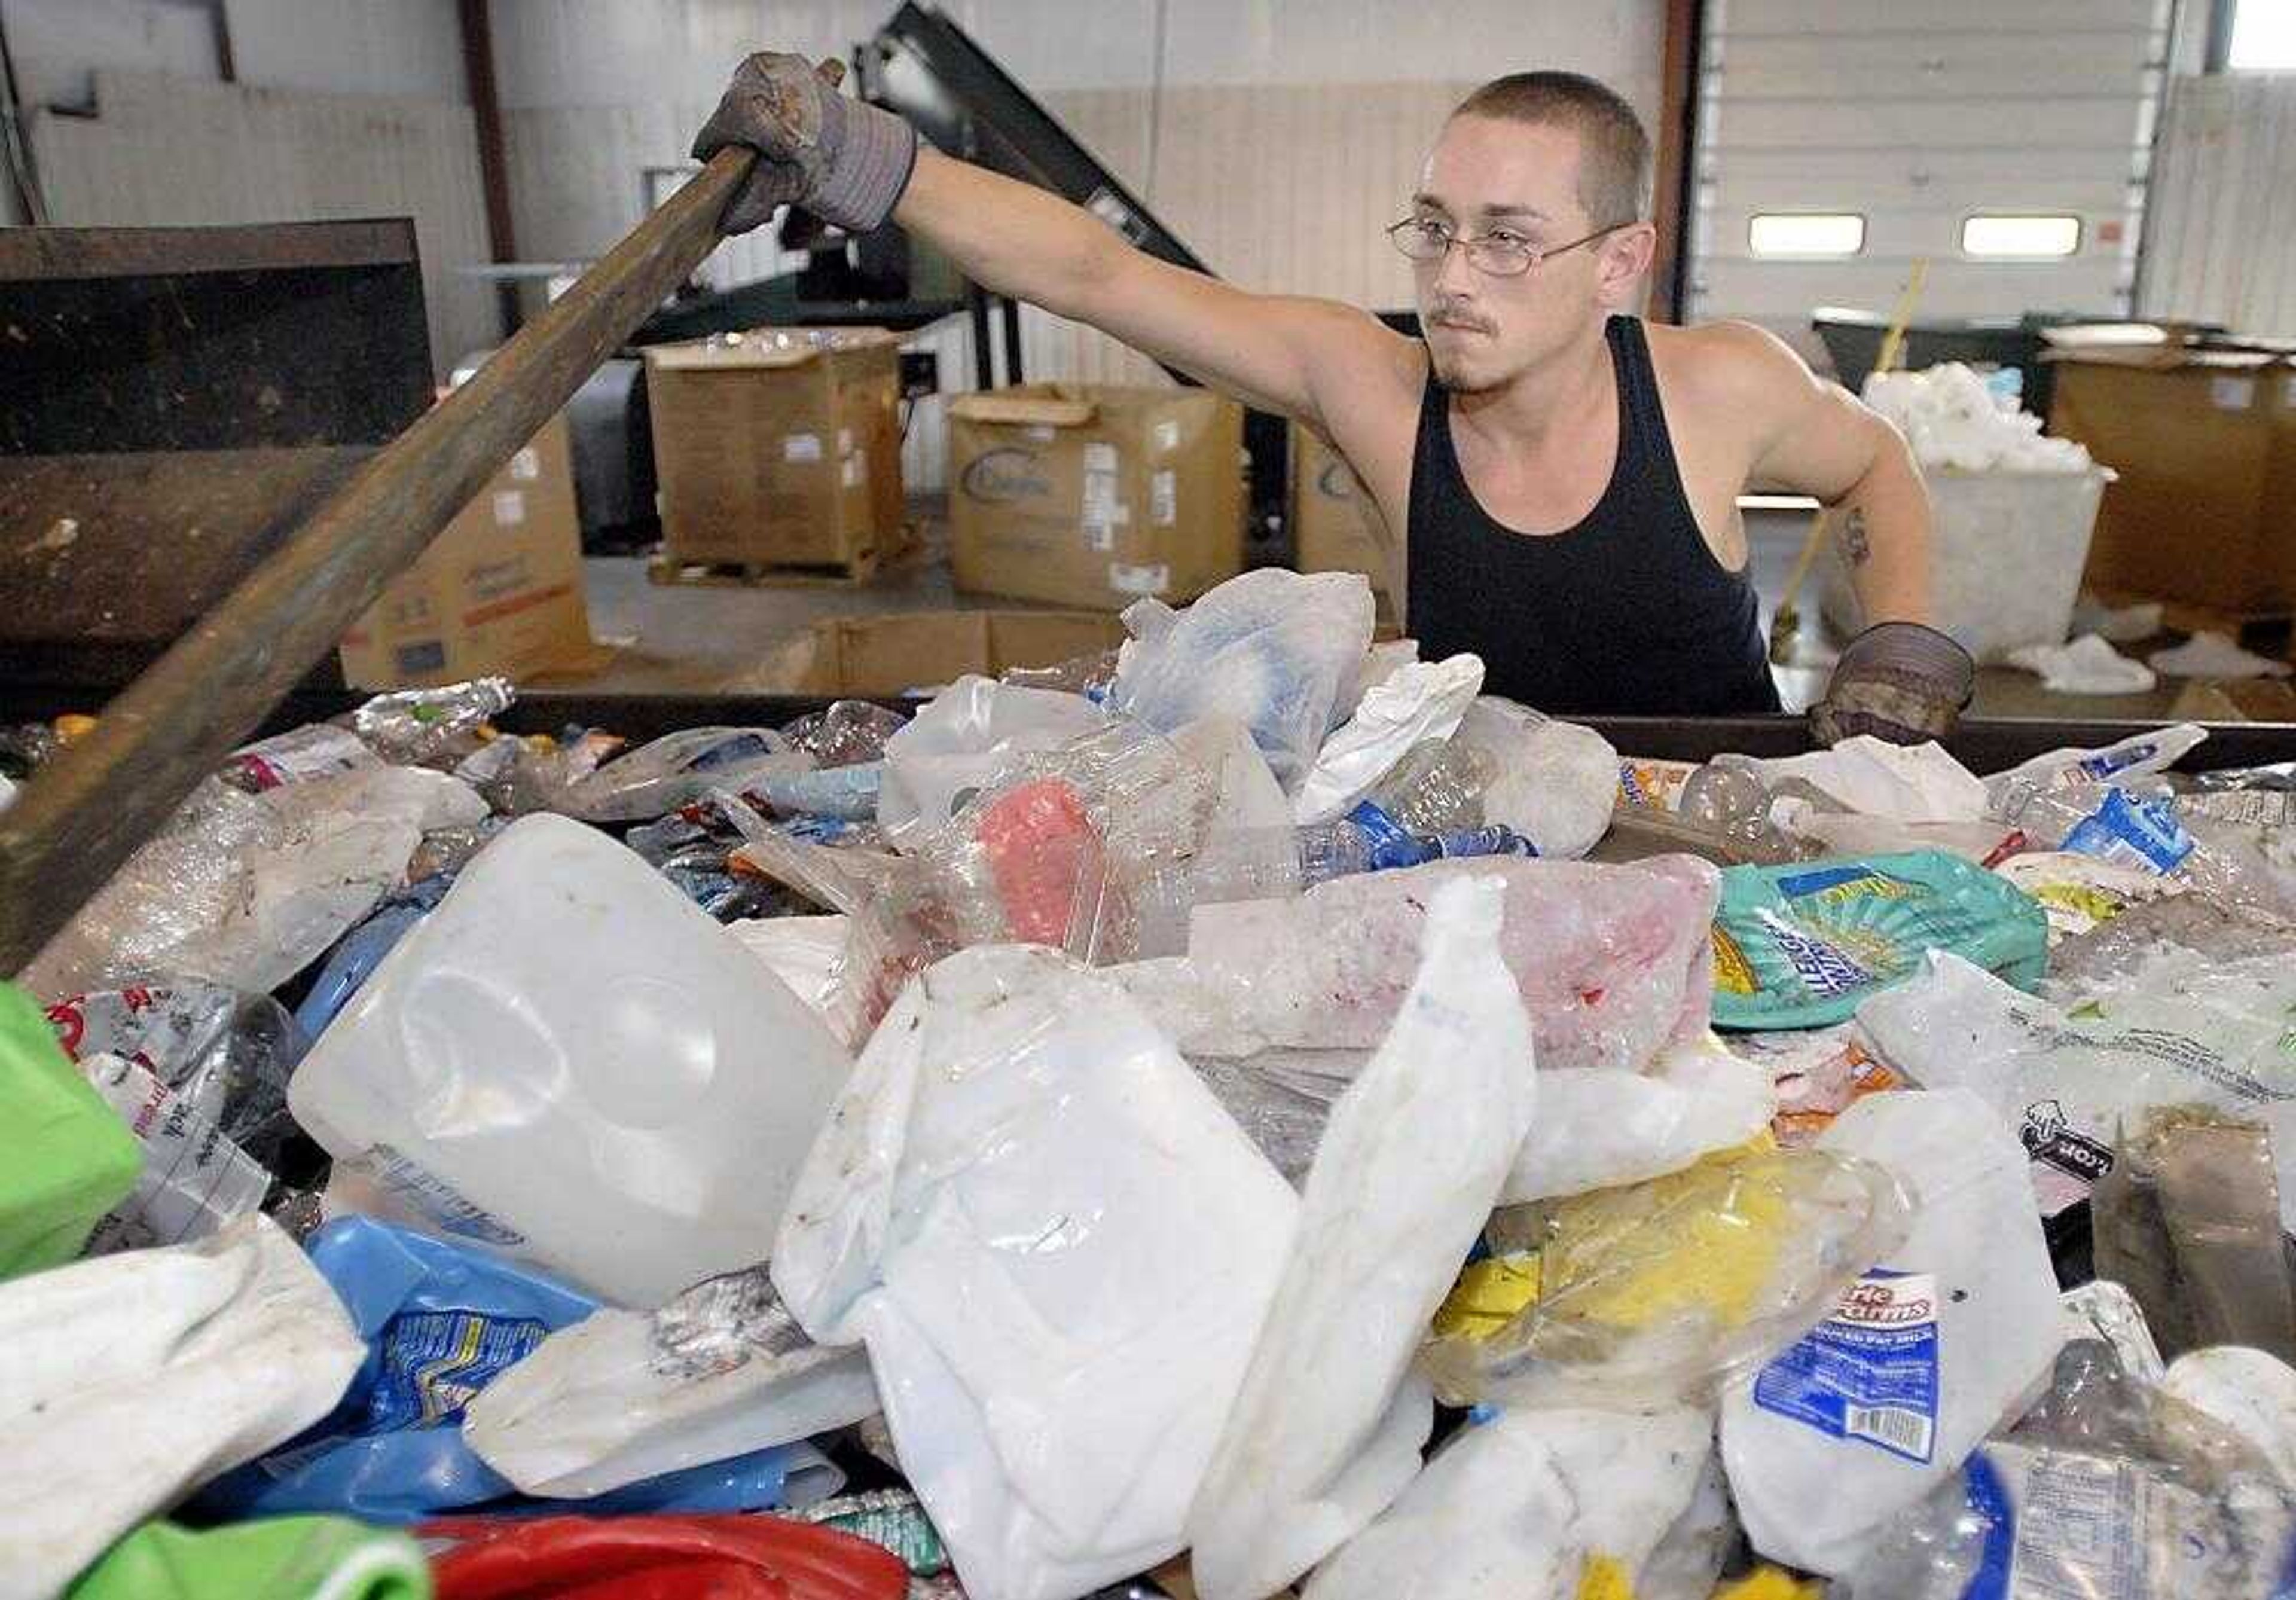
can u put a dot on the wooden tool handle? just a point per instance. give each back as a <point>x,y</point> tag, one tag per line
<point>100,798</point>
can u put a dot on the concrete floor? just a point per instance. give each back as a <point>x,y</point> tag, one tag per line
<point>674,639</point>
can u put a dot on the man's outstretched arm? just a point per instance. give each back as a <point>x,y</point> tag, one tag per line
<point>854,164</point>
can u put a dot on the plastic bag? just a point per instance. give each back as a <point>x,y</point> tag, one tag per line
<point>70,1160</point>
<point>125,1381</point>
<point>1599,1127</point>
<point>1925,1355</point>
<point>721,1371</point>
<point>247,891</point>
<point>1908,783</point>
<point>1610,961</point>
<point>1326,1429</point>
<point>1802,947</point>
<point>228,1056</point>
<point>2088,665</point>
<point>1554,783</point>
<point>419,727</point>
<point>962,739</point>
<point>804,952</point>
<point>440,1322</point>
<point>1536,1504</point>
<point>679,768</point>
<point>2188,1218</point>
<point>1057,1249</point>
<point>1659,1292</point>
<point>568,1062</point>
<point>1422,701</point>
<point>1277,651</point>
<point>1246,792</point>
<point>195,1180</point>
<point>2065,1081</point>
<point>657,1557</point>
<point>2194,929</point>
<point>1952,417</point>
<point>282,1558</point>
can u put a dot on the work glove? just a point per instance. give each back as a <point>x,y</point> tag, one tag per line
<point>1898,681</point>
<point>844,160</point>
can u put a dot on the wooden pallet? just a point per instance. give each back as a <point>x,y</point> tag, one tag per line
<point>864,568</point>
<point>2265,632</point>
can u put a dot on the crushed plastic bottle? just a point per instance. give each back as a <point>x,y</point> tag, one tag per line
<point>422,727</point>
<point>194,1181</point>
<point>847,732</point>
<point>227,1055</point>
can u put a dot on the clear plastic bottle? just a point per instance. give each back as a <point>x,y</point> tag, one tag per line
<point>1437,789</point>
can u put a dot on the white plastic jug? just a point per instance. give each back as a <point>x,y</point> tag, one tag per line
<point>570,1063</point>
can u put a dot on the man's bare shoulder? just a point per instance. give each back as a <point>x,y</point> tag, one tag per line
<point>1729,363</point>
<point>1365,372</point>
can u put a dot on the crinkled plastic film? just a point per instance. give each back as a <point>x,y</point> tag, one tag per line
<point>227,1055</point>
<point>1090,676</point>
<point>1612,962</point>
<point>1666,1289</point>
<point>2189,1220</point>
<point>677,769</point>
<point>847,732</point>
<point>246,890</point>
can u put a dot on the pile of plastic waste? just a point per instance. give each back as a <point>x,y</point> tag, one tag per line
<point>1248,1115</point>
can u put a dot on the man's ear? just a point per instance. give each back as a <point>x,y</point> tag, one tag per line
<point>1624,258</point>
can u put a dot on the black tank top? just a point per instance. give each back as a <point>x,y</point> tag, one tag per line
<point>1628,613</point>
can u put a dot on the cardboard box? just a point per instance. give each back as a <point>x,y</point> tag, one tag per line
<point>888,654</point>
<point>1095,495</point>
<point>499,591</point>
<point>1336,526</point>
<point>779,447</point>
<point>2204,442</point>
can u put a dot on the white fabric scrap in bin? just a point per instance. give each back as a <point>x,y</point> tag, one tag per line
<point>126,1382</point>
<point>1058,1248</point>
<point>2086,666</point>
<point>1420,702</point>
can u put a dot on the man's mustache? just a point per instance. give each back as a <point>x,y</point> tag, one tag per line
<point>1457,315</point>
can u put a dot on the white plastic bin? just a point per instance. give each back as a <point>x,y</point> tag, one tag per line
<point>2007,560</point>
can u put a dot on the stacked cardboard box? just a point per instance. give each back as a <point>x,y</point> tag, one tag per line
<point>499,591</point>
<point>779,448</point>
<point>1095,494</point>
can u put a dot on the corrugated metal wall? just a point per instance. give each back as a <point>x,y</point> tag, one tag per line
<point>1917,114</point>
<point>2222,242</point>
<point>166,151</point>
<point>1276,137</point>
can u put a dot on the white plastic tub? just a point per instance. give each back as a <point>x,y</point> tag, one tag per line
<point>2007,562</point>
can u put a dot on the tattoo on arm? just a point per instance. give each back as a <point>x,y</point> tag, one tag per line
<point>1855,544</point>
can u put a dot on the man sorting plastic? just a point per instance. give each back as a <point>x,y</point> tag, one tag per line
<point>1565,476</point>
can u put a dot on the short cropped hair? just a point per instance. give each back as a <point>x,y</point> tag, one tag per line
<point>1614,163</point>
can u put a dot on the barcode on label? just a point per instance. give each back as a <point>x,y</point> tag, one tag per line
<point>1904,1431</point>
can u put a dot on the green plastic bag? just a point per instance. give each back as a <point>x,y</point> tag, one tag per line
<point>1801,946</point>
<point>280,1558</point>
<point>65,1158</point>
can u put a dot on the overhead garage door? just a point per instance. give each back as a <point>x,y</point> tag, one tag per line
<point>1927,122</point>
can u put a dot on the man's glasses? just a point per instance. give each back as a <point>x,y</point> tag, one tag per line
<point>1498,255</point>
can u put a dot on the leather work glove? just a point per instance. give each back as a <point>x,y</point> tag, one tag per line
<point>842,160</point>
<point>1898,681</point>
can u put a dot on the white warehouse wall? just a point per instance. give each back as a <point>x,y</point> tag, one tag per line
<point>339,109</point>
<point>2221,246</point>
<point>1275,137</point>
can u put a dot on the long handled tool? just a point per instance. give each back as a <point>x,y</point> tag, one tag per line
<point>1786,623</point>
<point>102,796</point>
